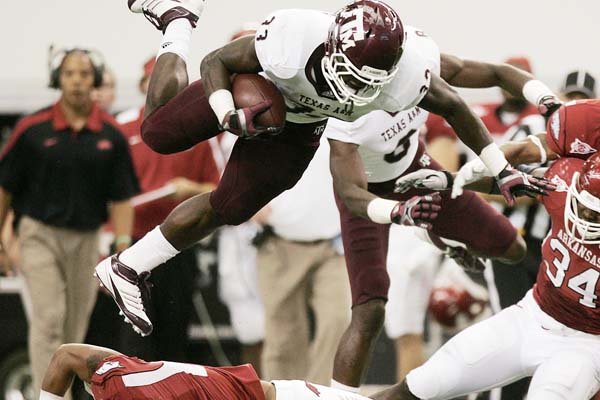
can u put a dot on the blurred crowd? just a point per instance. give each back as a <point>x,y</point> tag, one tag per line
<point>77,181</point>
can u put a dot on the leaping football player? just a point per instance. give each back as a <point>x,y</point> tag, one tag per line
<point>341,66</point>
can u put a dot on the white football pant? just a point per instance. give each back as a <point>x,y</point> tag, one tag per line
<point>519,341</point>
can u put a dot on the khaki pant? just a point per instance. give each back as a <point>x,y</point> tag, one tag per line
<point>57,264</point>
<point>294,277</point>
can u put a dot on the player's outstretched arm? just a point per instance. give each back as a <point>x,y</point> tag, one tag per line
<point>477,74</point>
<point>533,149</point>
<point>349,179</point>
<point>441,99</point>
<point>67,362</point>
<point>350,183</point>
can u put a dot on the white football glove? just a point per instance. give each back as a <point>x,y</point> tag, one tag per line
<point>424,179</point>
<point>470,172</point>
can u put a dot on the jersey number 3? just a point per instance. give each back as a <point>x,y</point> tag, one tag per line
<point>583,283</point>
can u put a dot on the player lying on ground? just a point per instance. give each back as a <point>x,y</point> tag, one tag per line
<point>108,374</point>
<point>553,333</point>
<point>341,66</point>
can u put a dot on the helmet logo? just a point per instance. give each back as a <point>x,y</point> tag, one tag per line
<point>353,30</point>
<point>579,147</point>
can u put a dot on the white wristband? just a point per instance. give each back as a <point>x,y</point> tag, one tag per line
<point>535,90</point>
<point>493,158</point>
<point>49,396</point>
<point>543,154</point>
<point>221,101</point>
<point>380,210</point>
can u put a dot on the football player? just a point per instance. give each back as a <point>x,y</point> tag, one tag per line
<point>108,374</point>
<point>367,157</point>
<point>553,333</point>
<point>342,66</point>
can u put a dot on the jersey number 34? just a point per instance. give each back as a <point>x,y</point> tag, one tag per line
<point>584,283</point>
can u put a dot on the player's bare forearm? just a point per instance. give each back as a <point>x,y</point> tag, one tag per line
<point>526,151</point>
<point>72,360</point>
<point>441,99</point>
<point>476,74</point>
<point>217,67</point>
<point>349,179</point>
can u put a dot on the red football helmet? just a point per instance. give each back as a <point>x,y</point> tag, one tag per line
<point>447,303</point>
<point>362,50</point>
<point>582,208</point>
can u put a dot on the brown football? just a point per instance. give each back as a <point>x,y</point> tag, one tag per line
<point>251,89</point>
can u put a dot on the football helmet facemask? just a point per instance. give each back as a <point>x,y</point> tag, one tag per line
<point>362,51</point>
<point>582,208</point>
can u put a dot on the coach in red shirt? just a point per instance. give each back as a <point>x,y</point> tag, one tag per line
<point>64,171</point>
<point>165,180</point>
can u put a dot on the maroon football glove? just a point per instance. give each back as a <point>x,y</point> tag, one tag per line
<point>513,183</point>
<point>240,122</point>
<point>418,211</point>
<point>548,104</point>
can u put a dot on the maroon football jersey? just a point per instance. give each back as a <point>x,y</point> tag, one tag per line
<point>574,130</point>
<point>567,281</point>
<point>129,378</point>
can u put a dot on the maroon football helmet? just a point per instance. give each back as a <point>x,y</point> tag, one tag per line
<point>583,203</point>
<point>362,50</point>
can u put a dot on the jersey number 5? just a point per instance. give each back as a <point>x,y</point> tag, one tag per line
<point>401,148</point>
<point>583,283</point>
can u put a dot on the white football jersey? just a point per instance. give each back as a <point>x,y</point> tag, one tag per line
<point>387,142</point>
<point>285,43</point>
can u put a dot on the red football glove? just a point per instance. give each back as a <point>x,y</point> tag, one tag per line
<point>240,122</point>
<point>513,183</point>
<point>418,211</point>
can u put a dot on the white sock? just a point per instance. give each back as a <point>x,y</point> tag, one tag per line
<point>149,252</point>
<point>49,396</point>
<point>177,39</point>
<point>336,385</point>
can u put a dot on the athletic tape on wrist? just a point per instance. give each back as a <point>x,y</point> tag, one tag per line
<point>380,210</point>
<point>221,102</point>
<point>535,90</point>
<point>543,154</point>
<point>493,158</point>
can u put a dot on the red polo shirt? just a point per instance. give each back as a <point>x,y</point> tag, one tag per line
<point>155,170</point>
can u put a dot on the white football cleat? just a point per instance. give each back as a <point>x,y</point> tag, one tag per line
<point>161,12</point>
<point>129,290</point>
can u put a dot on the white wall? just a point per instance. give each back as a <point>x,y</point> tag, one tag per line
<point>557,35</point>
